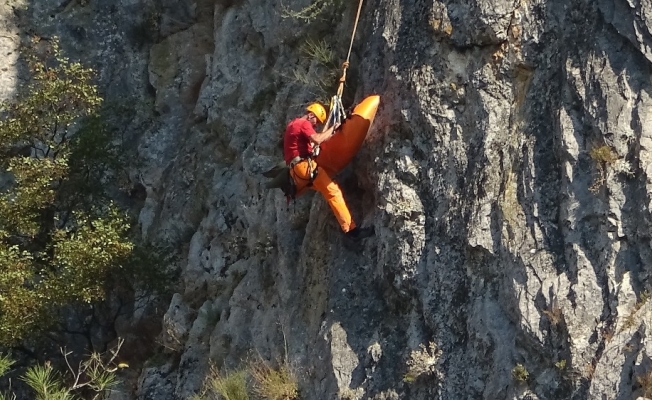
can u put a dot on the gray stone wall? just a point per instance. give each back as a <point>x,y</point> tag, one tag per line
<point>500,238</point>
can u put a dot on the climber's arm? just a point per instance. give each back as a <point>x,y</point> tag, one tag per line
<point>318,138</point>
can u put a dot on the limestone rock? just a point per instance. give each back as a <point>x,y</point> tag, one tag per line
<point>503,237</point>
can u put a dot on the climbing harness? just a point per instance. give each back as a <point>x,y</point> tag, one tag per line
<point>283,179</point>
<point>312,173</point>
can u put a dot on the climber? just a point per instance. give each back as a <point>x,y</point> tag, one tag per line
<point>300,135</point>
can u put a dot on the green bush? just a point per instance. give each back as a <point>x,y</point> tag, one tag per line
<point>59,239</point>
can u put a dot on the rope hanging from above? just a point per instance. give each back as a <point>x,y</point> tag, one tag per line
<point>345,65</point>
<point>337,114</point>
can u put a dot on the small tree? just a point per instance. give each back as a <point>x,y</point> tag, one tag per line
<point>57,241</point>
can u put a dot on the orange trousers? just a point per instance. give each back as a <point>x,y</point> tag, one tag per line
<point>327,187</point>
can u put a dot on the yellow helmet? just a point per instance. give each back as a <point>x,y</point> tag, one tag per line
<point>318,110</point>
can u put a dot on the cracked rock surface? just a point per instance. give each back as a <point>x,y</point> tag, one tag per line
<point>500,237</point>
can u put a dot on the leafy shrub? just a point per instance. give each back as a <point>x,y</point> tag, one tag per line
<point>58,240</point>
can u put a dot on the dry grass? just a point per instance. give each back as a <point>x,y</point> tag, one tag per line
<point>231,386</point>
<point>589,370</point>
<point>441,26</point>
<point>608,334</point>
<point>520,373</point>
<point>422,362</point>
<point>645,381</point>
<point>265,382</point>
<point>306,14</point>
<point>603,154</point>
<point>273,384</point>
<point>499,54</point>
<point>320,76</point>
<point>554,314</point>
<point>348,394</point>
<point>319,51</point>
<point>630,320</point>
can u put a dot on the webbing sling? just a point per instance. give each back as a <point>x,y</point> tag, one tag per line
<point>337,114</point>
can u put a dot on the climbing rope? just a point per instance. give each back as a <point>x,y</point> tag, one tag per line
<point>337,114</point>
<point>345,65</point>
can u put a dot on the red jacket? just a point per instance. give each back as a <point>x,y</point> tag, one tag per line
<point>297,139</point>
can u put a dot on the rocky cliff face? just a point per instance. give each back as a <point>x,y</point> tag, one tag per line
<point>507,174</point>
